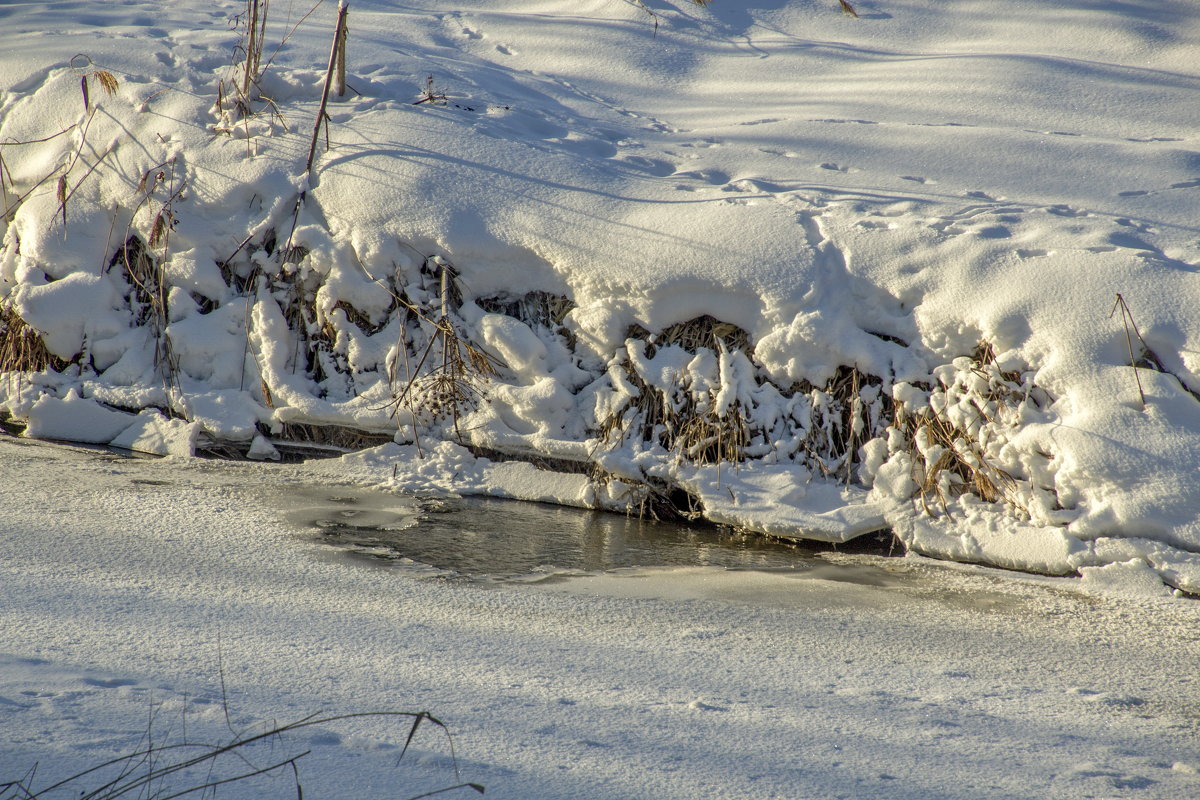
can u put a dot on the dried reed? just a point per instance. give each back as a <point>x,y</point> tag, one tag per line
<point>22,349</point>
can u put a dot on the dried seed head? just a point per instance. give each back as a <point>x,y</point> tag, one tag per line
<point>108,82</point>
<point>158,231</point>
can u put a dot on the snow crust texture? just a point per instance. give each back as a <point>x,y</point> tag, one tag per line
<point>931,268</point>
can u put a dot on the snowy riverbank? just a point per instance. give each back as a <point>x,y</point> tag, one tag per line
<point>804,273</point>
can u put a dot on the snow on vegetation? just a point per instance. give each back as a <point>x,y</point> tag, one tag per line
<point>926,268</point>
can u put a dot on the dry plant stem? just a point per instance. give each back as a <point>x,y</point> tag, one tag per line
<point>65,196</point>
<point>1127,318</point>
<point>289,35</point>
<point>44,139</point>
<point>75,157</point>
<point>338,42</point>
<point>341,62</point>
<point>143,773</point>
<point>253,46</point>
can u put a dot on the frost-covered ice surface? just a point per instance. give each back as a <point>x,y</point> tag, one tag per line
<point>873,258</point>
<point>129,588</point>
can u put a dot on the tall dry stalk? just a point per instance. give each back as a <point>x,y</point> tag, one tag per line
<point>1127,318</point>
<point>256,23</point>
<point>335,52</point>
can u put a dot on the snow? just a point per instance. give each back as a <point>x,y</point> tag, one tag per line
<point>931,269</point>
<point>150,596</point>
<point>882,192</point>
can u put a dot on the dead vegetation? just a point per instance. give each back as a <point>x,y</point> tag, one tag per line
<point>169,765</point>
<point>22,349</point>
<point>451,372</point>
<point>951,438</point>
<point>721,409</point>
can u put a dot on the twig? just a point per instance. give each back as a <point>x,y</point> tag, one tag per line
<point>65,196</point>
<point>1127,318</point>
<point>15,143</point>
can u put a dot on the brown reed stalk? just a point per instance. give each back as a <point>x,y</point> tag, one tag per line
<point>1127,318</point>
<point>322,116</point>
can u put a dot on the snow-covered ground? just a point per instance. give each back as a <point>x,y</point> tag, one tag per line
<point>130,588</point>
<point>931,269</point>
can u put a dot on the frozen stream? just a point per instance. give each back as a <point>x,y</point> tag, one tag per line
<point>484,538</point>
<point>583,657</point>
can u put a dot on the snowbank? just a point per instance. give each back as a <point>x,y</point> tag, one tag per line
<point>804,273</point>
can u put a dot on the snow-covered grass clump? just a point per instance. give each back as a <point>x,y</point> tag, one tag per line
<point>806,273</point>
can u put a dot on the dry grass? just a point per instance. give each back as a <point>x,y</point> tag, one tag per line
<point>337,436</point>
<point>166,766</point>
<point>704,331</point>
<point>538,310</point>
<point>950,459</point>
<point>688,423</point>
<point>22,349</point>
<point>449,389</point>
<point>451,373</point>
<point>699,428</point>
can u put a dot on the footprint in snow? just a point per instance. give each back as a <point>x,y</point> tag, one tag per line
<point>653,166</point>
<point>111,683</point>
<point>1110,699</point>
<point>696,705</point>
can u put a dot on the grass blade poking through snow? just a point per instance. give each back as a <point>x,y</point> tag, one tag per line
<point>1127,318</point>
<point>147,770</point>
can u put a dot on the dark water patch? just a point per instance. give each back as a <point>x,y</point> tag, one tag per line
<point>488,538</point>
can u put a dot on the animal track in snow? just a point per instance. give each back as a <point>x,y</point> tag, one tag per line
<point>714,177</point>
<point>1065,211</point>
<point>110,683</point>
<point>846,121</point>
<point>653,166</point>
